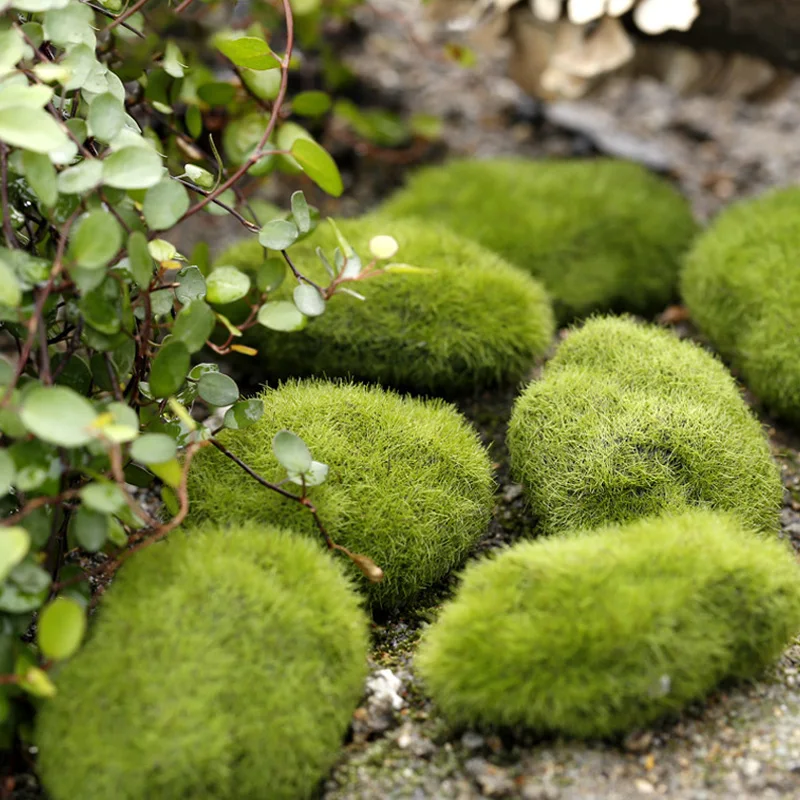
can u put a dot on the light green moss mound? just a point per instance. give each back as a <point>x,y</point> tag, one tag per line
<point>741,283</point>
<point>600,234</point>
<point>628,421</point>
<point>473,321</point>
<point>599,634</point>
<point>224,664</point>
<point>409,485</point>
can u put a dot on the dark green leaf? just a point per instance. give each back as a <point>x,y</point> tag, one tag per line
<point>194,325</point>
<point>191,285</point>
<point>216,93</point>
<point>89,528</point>
<point>8,472</point>
<point>103,496</point>
<point>318,165</point>
<point>194,121</point>
<point>218,389</point>
<point>95,240</point>
<point>311,104</point>
<point>278,234</point>
<point>41,175</point>
<point>169,369</point>
<point>139,259</point>
<point>164,204</point>
<point>270,274</point>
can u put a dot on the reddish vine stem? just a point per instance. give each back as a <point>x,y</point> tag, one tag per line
<point>125,15</point>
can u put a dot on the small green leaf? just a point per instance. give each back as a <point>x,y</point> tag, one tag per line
<point>81,178</point>
<point>103,496</point>
<point>194,324</point>
<point>106,117</point>
<point>270,274</point>
<point>41,175</point>
<point>169,369</point>
<point>278,234</point>
<point>95,240</point>
<point>300,212</point>
<point>292,452</point>
<point>31,129</point>
<point>164,204</point>
<point>139,259</point>
<point>173,60</point>
<point>202,177</point>
<point>248,51</point>
<point>311,103</point>
<point>309,300</point>
<point>226,284</point>
<point>12,49</point>
<point>194,121</point>
<point>36,96</point>
<point>58,415</point>
<point>69,25</point>
<point>15,542</point>
<point>132,168</point>
<point>154,448</point>
<point>243,414</point>
<point>218,389</point>
<point>10,290</point>
<point>37,682</point>
<point>191,285</point>
<point>61,627</point>
<point>318,165</point>
<point>383,247</point>
<point>90,528</point>
<point>314,476</point>
<point>281,315</point>
<point>7,472</point>
<point>216,93</point>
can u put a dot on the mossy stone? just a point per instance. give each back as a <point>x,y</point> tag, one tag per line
<point>601,235</point>
<point>471,321</point>
<point>741,284</point>
<point>409,483</point>
<point>629,421</point>
<point>223,664</point>
<point>599,634</point>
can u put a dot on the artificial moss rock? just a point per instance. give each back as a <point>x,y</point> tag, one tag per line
<point>409,484</point>
<point>472,321</point>
<point>601,234</point>
<point>629,421</point>
<point>742,286</point>
<point>224,664</point>
<point>600,634</point>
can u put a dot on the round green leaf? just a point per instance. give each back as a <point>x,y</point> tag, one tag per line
<point>248,51</point>
<point>281,315</point>
<point>70,25</point>
<point>58,415</point>
<point>270,274</point>
<point>61,627</point>
<point>164,204</point>
<point>41,175</point>
<point>95,240</point>
<point>139,259</point>
<point>301,212</point>
<point>314,476</point>
<point>218,389</point>
<point>169,369</point>
<point>278,234</point>
<point>81,178</point>
<point>154,448</point>
<point>216,93</point>
<point>90,528</point>
<point>7,472</point>
<point>106,117</point>
<point>311,103</point>
<point>10,290</point>
<point>243,414</point>
<point>133,168</point>
<point>15,542</point>
<point>318,165</point>
<point>292,452</point>
<point>31,129</point>
<point>194,324</point>
<point>103,496</point>
<point>309,300</point>
<point>225,285</point>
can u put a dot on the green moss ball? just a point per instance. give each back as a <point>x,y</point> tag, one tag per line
<point>409,484</point>
<point>741,283</point>
<point>224,664</point>
<point>601,234</point>
<point>599,634</point>
<point>471,321</point>
<point>629,421</point>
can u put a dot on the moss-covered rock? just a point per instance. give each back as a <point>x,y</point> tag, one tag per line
<point>742,285</point>
<point>409,484</point>
<point>223,664</point>
<point>599,634</point>
<point>601,234</point>
<point>629,421</point>
<point>472,321</point>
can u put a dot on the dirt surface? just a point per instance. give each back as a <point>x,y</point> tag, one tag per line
<point>744,742</point>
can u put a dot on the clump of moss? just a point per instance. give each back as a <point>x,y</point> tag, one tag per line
<point>599,634</point>
<point>629,421</point>
<point>409,484</point>
<point>742,286</point>
<point>472,321</point>
<point>224,664</point>
<point>601,234</point>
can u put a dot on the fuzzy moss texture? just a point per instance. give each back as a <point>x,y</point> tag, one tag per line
<point>601,235</point>
<point>741,283</point>
<point>224,664</point>
<point>628,421</point>
<point>596,635</point>
<point>473,321</point>
<point>409,485</point>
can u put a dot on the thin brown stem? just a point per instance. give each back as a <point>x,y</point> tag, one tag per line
<point>125,15</point>
<point>8,230</point>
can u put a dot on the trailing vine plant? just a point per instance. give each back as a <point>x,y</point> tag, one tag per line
<point>108,141</point>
